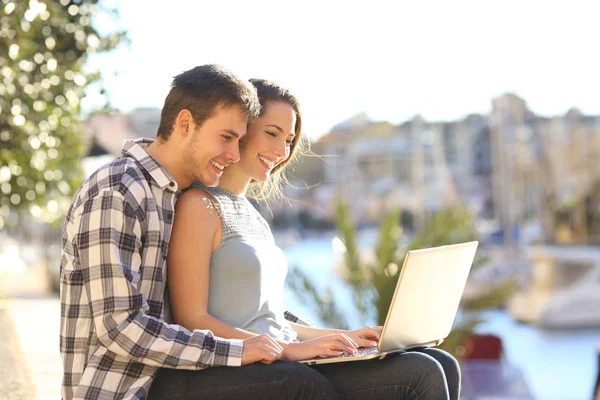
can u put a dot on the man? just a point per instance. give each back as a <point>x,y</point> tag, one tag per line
<point>113,335</point>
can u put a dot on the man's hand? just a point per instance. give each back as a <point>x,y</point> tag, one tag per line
<point>367,336</point>
<point>324,346</point>
<point>261,348</point>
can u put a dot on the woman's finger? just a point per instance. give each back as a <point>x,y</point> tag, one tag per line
<point>371,334</point>
<point>346,339</point>
<point>332,353</point>
<point>367,343</point>
<point>336,344</point>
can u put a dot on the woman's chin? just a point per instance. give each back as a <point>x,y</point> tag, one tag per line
<point>262,177</point>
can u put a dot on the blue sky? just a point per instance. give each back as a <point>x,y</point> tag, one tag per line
<point>391,59</point>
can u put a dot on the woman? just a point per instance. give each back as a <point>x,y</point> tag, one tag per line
<point>226,274</point>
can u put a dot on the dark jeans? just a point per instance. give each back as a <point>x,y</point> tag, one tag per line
<point>427,374</point>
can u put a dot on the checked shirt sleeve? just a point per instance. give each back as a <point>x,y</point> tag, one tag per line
<point>108,243</point>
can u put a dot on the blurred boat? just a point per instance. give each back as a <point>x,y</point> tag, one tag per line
<point>577,306</point>
<point>564,292</point>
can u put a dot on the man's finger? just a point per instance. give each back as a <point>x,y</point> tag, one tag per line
<point>277,350</point>
<point>268,356</point>
<point>274,343</point>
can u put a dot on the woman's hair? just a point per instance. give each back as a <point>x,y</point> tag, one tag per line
<point>272,188</point>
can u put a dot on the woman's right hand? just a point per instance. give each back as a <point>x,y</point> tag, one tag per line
<point>323,346</point>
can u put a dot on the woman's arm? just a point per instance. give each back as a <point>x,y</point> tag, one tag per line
<point>364,337</point>
<point>196,233</point>
<point>306,332</point>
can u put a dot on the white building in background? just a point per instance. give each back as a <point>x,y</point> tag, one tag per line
<point>504,165</point>
<point>111,130</point>
<point>417,166</point>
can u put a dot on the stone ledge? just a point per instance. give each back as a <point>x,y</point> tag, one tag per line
<point>15,383</point>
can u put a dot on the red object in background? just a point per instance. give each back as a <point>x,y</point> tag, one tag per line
<point>486,374</point>
<point>483,347</point>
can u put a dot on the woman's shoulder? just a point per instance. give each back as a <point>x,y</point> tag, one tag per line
<point>197,201</point>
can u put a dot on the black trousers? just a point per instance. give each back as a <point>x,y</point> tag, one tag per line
<point>429,374</point>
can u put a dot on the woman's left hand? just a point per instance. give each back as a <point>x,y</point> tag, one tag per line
<point>365,337</point>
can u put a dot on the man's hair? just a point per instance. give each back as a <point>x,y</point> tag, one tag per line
<point>200,90</point>
<point>271,92</point>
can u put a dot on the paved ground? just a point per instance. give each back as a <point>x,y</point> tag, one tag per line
<point>30,364</point>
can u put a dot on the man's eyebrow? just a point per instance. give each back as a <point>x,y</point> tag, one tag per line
<point>233,133</point>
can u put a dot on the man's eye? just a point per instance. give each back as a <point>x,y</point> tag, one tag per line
<point>227,138</point>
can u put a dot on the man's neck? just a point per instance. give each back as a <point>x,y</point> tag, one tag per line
<point>162,153</point>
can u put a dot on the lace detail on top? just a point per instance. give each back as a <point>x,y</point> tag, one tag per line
<point>238,216</point>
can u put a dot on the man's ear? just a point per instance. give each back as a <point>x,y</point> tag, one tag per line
<point>184,122</point>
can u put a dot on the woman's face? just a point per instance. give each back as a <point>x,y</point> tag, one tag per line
<point>268,141</point>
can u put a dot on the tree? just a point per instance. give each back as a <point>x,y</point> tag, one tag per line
<point>44,46</point>
<point>373,283</point>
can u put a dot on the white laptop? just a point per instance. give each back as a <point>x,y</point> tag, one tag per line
<point>425,302</point>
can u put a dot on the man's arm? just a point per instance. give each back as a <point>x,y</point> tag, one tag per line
<point>108,243</point>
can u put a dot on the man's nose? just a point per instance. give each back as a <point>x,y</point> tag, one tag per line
<point>233,153</point>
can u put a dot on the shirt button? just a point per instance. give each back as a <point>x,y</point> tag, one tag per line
<point>171,184</point>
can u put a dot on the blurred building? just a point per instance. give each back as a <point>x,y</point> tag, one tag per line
<point>417,166</point>
<point>110,130</point>
<point>542,166</point>
<point>509,165</point>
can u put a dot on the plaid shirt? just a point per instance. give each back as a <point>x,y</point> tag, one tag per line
<point>113,337</point>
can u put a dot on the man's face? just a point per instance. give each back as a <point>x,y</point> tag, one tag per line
<point>214,145</point>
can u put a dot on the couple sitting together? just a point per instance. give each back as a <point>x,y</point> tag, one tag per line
<point>171,283</point>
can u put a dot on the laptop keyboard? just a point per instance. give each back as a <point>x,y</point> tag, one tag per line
<point>363,351</point>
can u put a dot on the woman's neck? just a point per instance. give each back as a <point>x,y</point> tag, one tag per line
<point>235,181</point>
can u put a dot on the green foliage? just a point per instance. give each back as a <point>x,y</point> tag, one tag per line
<point>44,46</point>
<point>307,292</point>
<point>356,275</point>
<point>373,283</point>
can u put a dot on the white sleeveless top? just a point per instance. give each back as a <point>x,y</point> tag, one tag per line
<point>247,270</point>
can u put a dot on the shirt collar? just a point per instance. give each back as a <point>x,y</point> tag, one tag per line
<point>136,149</point>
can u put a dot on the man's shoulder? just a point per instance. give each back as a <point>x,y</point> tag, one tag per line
<point>123,177</point>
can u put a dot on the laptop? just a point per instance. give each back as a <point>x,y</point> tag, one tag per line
<point>424,305</point>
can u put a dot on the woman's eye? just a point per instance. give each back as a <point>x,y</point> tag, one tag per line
<point>271,133</point>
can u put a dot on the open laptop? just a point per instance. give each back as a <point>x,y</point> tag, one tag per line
<point>425,302</point>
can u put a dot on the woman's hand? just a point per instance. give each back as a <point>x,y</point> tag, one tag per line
<point>366,337</point>
<point>324,346</point>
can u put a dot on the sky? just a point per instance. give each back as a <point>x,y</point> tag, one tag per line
<point>390,59</point>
